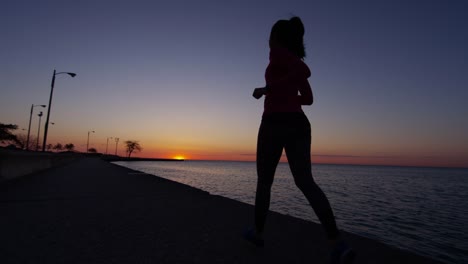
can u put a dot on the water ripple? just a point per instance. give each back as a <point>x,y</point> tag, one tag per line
<point>424,210</point>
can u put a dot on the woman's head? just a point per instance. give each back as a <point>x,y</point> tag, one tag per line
<point>289,34</point>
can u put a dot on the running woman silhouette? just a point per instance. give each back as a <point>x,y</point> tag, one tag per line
<point>285,126</point>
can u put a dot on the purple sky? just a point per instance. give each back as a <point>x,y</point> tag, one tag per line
<point>389,77</point>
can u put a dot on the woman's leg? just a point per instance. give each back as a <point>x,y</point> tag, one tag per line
<point>298,152</point>
<point>269,150</point>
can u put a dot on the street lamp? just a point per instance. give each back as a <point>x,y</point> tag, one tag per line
<point>116,143</point>
<point>50,104</point>
<point>87,144</point>
<point>29,128</point>
<point>38,130</point>
<point>107,144</point>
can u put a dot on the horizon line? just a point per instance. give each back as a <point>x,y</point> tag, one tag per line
<point>343,164</point>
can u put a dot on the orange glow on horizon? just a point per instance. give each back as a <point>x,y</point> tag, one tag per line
<point>397,160</point>
<point>179,148</point>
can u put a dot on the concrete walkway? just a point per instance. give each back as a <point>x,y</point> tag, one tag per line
<point>92,211</point>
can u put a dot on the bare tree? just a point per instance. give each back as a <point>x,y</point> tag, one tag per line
<point>92,150</point>
<point>132,145</point>
<point>49,147</point>
<point>69,146</point>
<point>22,139</point>
<point>6,135</point>
<point>58,147</point>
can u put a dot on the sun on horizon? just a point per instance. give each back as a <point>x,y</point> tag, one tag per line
<point>179,157</point>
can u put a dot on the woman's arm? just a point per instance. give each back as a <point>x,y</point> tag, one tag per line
<point>306,97</point>
<point>259,92</point>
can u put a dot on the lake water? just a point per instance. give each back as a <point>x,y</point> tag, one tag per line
<point>423,210</point>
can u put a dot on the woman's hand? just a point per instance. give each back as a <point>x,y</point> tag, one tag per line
<point>259,92</point>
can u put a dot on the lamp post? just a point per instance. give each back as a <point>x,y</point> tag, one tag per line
<point>107,144</point>
<point>29,128</point>
<point>50,104</point>
<point>87,144</point>
<point>38,130</point>
<point>116,143</point>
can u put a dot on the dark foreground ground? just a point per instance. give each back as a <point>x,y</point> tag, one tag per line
<point>91,211</point>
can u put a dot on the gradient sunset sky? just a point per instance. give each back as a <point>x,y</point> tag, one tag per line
<point>389,77</point>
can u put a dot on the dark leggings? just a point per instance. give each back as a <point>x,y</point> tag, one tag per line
<point>290,131</point>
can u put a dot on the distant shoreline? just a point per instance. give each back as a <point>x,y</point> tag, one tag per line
<point>346,164</point>
<point>114,159</point>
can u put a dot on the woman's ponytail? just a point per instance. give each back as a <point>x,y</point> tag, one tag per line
<point>297,27</point>
<point>297,35</point>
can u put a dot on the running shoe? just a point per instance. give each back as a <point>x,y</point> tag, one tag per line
<point>342,253</point>
<point>251,236</point>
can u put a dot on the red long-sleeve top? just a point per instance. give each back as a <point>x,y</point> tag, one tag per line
<point>287,85</point>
